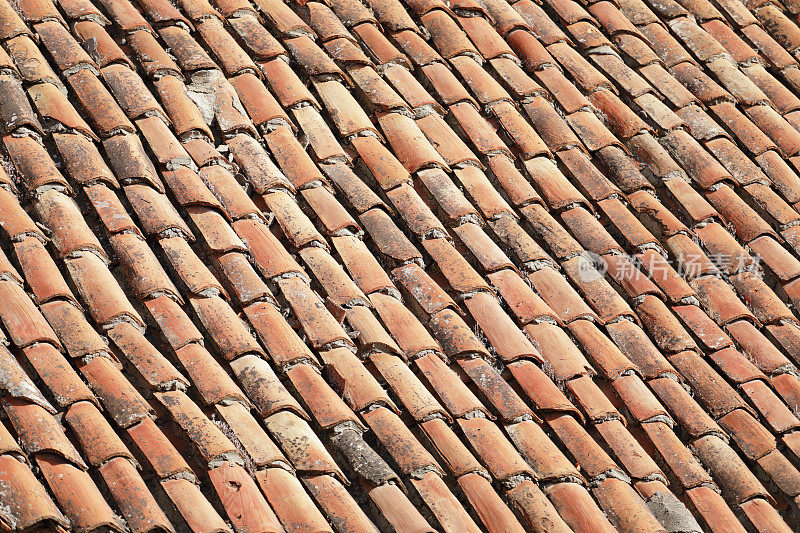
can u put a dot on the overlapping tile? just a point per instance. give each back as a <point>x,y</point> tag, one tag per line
<point>401,266</point>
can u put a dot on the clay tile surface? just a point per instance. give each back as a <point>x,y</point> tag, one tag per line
<point>375,265</point>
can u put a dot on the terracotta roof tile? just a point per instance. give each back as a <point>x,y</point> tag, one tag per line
<point>41,271</point>
<point>29,503</point>
<point>487,504</point>
<point>23,387</point>
<point>67,53</point>
<point>737,482</point>
<point>192,506</point>
<point>574,504</point>
<point>24,324</point>
<point>711,507</point>
<point>39,432</point>
<point>90,427</point>
<point>107,50</point>
<point>337,503</point>
<point>258,41</point>
<point>443,503</point>
<point>372,336</point>
<point>504,400</point>
<point>630,452</point>
<point>81,9</point>
<point>63,382</point>
<point>158,451</point>
<point>627,507</point>
<point>30,63</point>
<point>591,399</point>
<point>292,505</point>
<point>384,52</point>
<point>77,335</point>
<point>31,161</point>
<point>260,515</point>
<point>77,494</point>
<point>368,188</point>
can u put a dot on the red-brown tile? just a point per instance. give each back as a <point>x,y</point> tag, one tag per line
<point>281,341</point>
<point>31,64</point>
<point>451,451</point>
<point>634,343</point>
<point>417,400</point>
<point>263,386</point>
<point>159,453</point>
<point>77,494</point>
<point>193,507</point>
<point>323,403</point>
<point>23,322</point>
<point>301,445</point>
<point>95,434</point>
<point>732,475</point>
<point>123,402</point>
<point>58,376</point>
<point>577,508</point>
<point>712,509</point>
<point>337,503</point>
<point>292,505</point>
<point>491,510</point>
<point>29,504</point>
<point>443,504</point>
<point>242,500</point>
<point>39,432</point>
<point>625,508</point>
<point>214,447</point>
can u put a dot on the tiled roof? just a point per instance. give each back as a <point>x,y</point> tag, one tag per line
<point>400,266</point>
